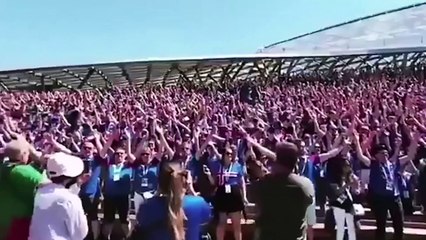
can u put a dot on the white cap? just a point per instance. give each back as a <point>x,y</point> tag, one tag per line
<point>61,164</point>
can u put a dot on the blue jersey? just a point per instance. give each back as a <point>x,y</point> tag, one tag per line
<point>145,178</point>
<point>153,214</point>
<point>231,175</point>
<point>118,180</point>
<point>92,188</point>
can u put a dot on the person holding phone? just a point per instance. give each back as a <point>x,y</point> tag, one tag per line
<point>230,196</point>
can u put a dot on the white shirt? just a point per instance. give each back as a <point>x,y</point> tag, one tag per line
<point>58,215</point>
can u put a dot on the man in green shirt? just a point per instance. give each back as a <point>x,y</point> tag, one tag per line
<point>18,182</point>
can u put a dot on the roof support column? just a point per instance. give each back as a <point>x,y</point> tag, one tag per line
<point>293,63</point>
<point>148,74</point>
<point>85,79</point>
<point>242,64</point>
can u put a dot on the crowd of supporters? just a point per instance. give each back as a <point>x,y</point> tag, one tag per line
<point>360,138</point>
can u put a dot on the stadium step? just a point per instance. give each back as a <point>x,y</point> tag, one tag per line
<point>414,225</point>
<point>416,220</point>
<point>412,230</point>
<point>365,233</point>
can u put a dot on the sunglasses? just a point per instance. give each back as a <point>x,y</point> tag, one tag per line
<point>119,153</point>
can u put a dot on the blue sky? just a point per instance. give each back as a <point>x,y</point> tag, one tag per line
<point>58,32</point>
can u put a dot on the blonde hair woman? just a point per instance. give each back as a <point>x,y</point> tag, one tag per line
<point>172,215</point>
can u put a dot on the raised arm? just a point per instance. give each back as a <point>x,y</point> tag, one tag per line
<point>358,150</point>
<point>130,157</point>
<point>110,139</point>
<point>163,142</point>
<point>203,147</point>
<point>330,154</point>
<point>317,127</point>
<point>268,153</point>
<point>56,145</point>
<point>412,149</point>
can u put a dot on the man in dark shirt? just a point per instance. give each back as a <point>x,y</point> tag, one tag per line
<point>384,192</point>
<point>282,197</point>
<point>422,183</point>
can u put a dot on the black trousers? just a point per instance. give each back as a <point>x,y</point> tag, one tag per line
<point>90,206</point>
<point>116,204</point>
<point>380,207</point>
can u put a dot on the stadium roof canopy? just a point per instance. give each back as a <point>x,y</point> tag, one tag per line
<point>391,39</point>
<point>399,28</point>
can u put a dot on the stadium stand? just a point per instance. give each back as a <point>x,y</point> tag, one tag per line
<point>389,43</point>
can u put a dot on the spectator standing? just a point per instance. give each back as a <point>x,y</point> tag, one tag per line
<point>306,167</point>
<point>91,190</point>
<point>282,197</point>
<point>18,182</point>
<point>422,185</point>
<point>58,213</point>
<point>163,217</point>
<point>230,195</point>
<point>384,192</point>
<point>117,191</point>
<point>341,200</point>
<point>145,177</point>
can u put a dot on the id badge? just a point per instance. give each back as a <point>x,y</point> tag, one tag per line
<point>144,182</point>
<point>116,177</point>
<point>341,199</point>
<point>406,194</point>
<point>322,173</point>
<point>147,195</point>
<point>227,188</point>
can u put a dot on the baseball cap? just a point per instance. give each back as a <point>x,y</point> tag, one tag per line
<point>378,148</point>
<point>61,164</point>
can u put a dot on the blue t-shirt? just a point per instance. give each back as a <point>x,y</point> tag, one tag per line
<point>307,168</point>
<point>356,164</point>
<point>231,175</point>
<point>118,181</point>
<point>196,166</point>
<point>153,214</point>
<point>92,188</point>
<point>193,166</point>
<point>145,178</point>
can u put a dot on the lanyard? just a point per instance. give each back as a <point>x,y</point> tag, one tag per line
<point>225,174</point>
<point>184,164</point>
<point>145,169</point>
<point>389,171</point>
<point>303,167</point>
<point>117,168</point>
